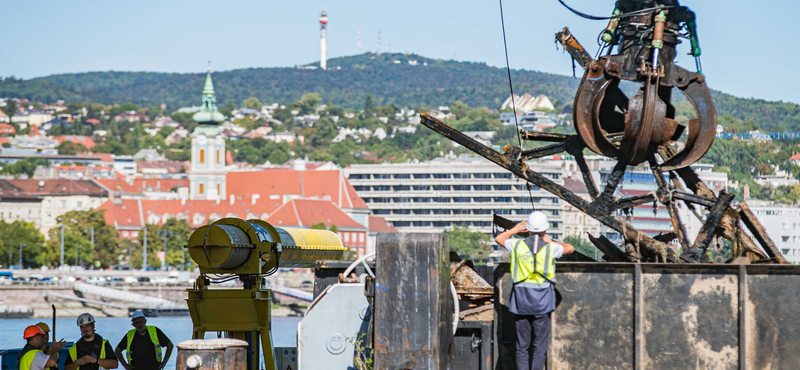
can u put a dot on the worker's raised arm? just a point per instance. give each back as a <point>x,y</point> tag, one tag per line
<point>502,237</point>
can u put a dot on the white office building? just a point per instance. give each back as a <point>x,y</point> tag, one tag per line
<point>782,223</point>
<point>436,195</point>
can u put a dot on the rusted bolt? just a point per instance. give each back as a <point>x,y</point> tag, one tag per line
<point>595,67</point>
<point>701,79</point>
<point>613,67</point>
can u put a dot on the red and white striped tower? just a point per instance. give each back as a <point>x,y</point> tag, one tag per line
<point>323,40</point>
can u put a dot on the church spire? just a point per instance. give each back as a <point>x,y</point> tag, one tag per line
<point>208,114</point>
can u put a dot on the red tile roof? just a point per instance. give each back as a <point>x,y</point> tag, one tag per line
<point>379,224</point>
<point>104,157</point>
<point>60,187</point>
<point>159,184</point>
<point>123,214</point>
<point>5,128</point>
<point>77,139</point>
<point>117,185</point>
<point>795,157</point>
<point>306,212</point>
<point>307,184</point>
<point>10,191</point>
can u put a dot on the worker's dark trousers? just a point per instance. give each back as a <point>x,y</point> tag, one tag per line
<point>533,330</point>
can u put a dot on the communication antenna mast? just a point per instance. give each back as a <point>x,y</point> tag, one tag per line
<point>323,40</point>
<point>379,42</point>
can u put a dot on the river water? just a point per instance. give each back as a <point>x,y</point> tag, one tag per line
<point>178,329</point>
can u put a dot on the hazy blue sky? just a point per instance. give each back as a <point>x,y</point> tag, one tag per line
<point>748,45</point>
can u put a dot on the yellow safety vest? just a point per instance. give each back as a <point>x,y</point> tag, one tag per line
<point>73,353</point>
<point>532,271</point>
<point>27,360</point>
<point>153,337</point>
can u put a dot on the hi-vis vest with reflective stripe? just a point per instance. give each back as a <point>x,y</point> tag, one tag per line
<point>153,337</point>
<point>73,353</point>
<point>526,268</point>
<point>27,360</point>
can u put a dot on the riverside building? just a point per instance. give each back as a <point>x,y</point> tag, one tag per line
<point>436,195</point>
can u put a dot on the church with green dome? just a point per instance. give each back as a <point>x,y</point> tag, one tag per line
<point>207,172</point>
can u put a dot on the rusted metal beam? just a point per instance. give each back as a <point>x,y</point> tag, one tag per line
<point>750,220</point>
<point>653,248</point>
<point>543,151</point>
<point>575,148</point>
<point>691,198</point>
<point>708,230</point>
<point>663,194</point>
<point>633,201</point>
<point>542,136</point>
<point>729,223</point>
<point>606,199</point>
<point>610,251</point>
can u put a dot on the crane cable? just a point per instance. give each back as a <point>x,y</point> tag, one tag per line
<point>513,103</point>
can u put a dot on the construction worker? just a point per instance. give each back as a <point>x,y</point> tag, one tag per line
<point>533,297</point>
<point>142,345</point>
<point>32,357</point>
<point>91,352</point>
<point>46,330</point>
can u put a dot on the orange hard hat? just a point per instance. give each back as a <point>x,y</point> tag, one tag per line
<point>31,331</point>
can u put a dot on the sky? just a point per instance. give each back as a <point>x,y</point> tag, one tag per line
<point>747,45</point>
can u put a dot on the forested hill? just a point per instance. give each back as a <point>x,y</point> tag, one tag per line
<point>390,78</point>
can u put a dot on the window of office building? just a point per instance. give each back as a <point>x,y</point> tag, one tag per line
<point>460,211</point>
<point>441,187</point>
<point>402,176</point>
<point>401,223</point>
<point>401,211</point>
<point>481,211</point>
<point>481,199</point>
<point>358,176</point>
<point>522,199</point>
<point>381,176</point>
<point>461,199</point>
<point>441,175</point>
<point>422,175</point>
<point>502,187</point>
<point>422,223</point>
<point>382,188</point>
<point>481,223</point>
<point>422,211</point>
<point>361,188</point>
<point>422,187</point>
<point>461,175</point>
<point>441,211</point>
<point>422,200</point>
<point>502,211</point>
<point>482,187</point>
<point>401,200</point>
<point>461,187</point>
<point>502,175</point>
<point>381,200</point>
<point>401,187</point>
<point>441,200</point>
<point>482,175</point>
<point>381,211</point>
<point>442,223</point>
<point>502,199</point>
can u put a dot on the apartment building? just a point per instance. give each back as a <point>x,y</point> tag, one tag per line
<point>782,223</point>
<point>436,195</point>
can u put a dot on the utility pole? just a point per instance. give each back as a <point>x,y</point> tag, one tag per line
<point>144,258</point>
<point>62,244</point>
<point>164,266</point>
<point>20,253</point>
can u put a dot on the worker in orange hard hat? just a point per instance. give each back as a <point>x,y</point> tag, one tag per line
<point>46,329</point>
<point>32,356</point>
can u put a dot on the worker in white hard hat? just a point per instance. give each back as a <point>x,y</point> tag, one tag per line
<point>142,345</point>
<point>91,352</point>
<point>533,297</point>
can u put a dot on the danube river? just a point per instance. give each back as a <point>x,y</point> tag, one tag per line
<point>178,329</point>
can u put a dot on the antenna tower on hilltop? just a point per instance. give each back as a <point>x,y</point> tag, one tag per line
<point>323,40</point>
<point>379,42</point>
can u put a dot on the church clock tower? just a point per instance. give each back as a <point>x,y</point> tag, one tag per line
<point>207,173</point>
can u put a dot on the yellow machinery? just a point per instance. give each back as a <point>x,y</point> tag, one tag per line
<point>249,250</point>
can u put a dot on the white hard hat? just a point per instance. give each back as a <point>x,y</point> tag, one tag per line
<point>85,318</point>
<point>137,314</point>
<point>537,222</point>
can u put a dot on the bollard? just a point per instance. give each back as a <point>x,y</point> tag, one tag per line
<point>212,354</point>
